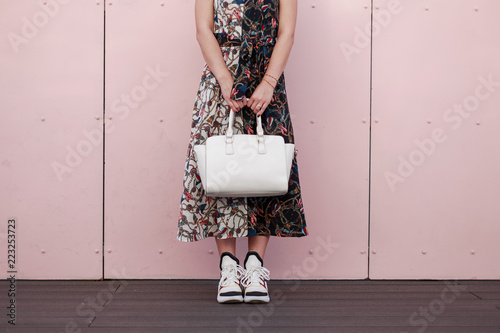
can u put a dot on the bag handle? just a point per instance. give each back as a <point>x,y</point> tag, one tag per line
<point>229,135</point>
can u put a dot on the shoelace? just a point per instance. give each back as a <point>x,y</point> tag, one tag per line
<point>231,274</point>
<point>254,274</point>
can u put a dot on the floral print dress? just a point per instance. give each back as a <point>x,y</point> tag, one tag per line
<point>246,31</point>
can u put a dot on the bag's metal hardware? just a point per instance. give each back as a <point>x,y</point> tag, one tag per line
<point>262,145</point>
<point>260,133</point>
<point>229,145</point>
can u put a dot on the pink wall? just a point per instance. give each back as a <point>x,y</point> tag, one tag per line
<point>435,155</point>
<point>51,77</point>
<point>438,220</point>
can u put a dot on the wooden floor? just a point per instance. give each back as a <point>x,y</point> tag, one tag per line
<point>296,306</point>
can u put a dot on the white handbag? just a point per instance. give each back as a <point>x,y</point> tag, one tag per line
<point>244,165</point>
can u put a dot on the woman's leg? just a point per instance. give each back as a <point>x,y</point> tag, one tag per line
<point>256,275</point>
<point>226,245</point>
<point>258,244</point>
<point>230,290</point>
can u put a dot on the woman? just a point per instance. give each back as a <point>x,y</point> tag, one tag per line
<point>245,44</point>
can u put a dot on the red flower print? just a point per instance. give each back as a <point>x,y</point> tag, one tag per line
<point>249,129</point>
<point>188,195</point>
<point>234,92</point>
<point>253,218</point>
<point>283,129</point>
<point>237,13</point>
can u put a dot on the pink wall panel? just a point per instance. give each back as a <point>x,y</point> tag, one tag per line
<point>51,71</point>
<point>145,155</point>
<point>435,155</point>
<point>329,95</point>
<point>146,149</point>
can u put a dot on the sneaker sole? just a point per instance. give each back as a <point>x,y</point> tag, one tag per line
<point>257,299</point>
<point>229,299</point>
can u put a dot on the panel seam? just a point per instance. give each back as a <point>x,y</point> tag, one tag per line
<point>370,138</point>
<point>103,134</point>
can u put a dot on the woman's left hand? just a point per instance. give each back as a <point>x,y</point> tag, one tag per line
<point>260,98</point>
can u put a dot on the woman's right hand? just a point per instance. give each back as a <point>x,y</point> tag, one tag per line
<point>226,89</point>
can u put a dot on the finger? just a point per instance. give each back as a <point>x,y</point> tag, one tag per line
<point>254,100</point>
<point>260,107</point>
<point>233,106</point>
<point>240,104</point>
<point>229,103</point>
<point>237,105</point>
<point>249,102</point>
<point>254,104</point>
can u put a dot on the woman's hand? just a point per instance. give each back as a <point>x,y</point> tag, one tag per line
<point>226,86</point>
<point>260,98</point>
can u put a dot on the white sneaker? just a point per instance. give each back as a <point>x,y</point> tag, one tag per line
<point>254,279</point>
<point>230,290</point>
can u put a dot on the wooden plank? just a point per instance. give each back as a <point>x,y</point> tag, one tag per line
<point>144,303</point>
<point>211,281</point>
<point>293,295</point>
<point>75,295</point>
<point>488,294</point>
<point>55,304</point>
<point>56,312</point>
<point>52,282</point>
<point>291,287</point>
<point>494,285</point>
<point>52,321</point>
<point>479,282</point>
<point>198,281</point>
<point>285,321</point>
<point>483,285</point>
<point>332,311</point>
<point>224,311</point>
<point>216,329</point>
<point>64,288</point>
<point>329,293</point>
